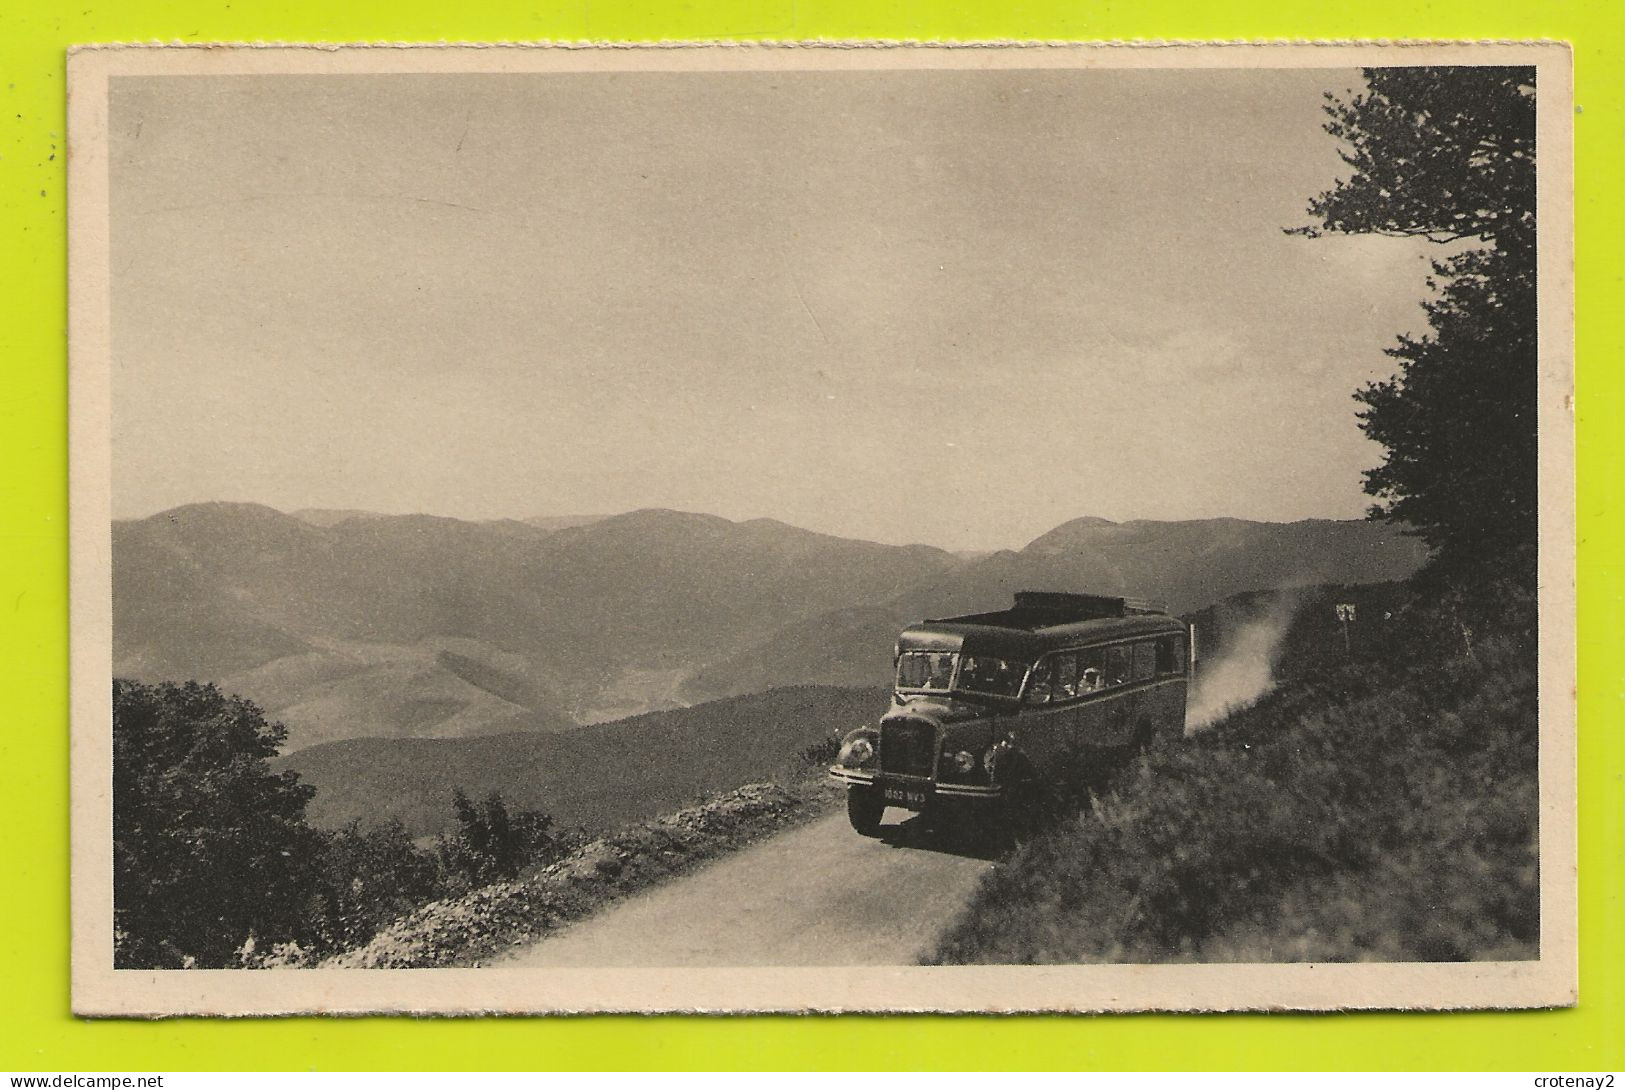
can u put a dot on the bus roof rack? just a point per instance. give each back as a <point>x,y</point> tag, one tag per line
<point>1039,609</point>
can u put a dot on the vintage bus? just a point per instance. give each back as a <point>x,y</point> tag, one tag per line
<point>990,708</point>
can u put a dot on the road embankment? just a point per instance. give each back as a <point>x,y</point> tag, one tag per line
<point>476,928</point>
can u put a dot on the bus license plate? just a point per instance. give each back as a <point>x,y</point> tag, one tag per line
<point>904,796</point>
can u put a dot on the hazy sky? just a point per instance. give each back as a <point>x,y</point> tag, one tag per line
<point>951,307</point>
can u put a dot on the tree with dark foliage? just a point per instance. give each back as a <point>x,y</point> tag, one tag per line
<point>209,845</point>
<point>491,845</point>
<point>368,877</point>
<point>1448,154</point>
<point>211,848</point>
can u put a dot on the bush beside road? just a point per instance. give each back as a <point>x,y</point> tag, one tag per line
<point>470,930</point>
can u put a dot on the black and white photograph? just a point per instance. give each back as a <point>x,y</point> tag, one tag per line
<point>818,527</point>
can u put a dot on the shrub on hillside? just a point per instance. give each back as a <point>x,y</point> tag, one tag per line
<point>368,878</point>
<point>492,845</point>
<point>821,754</point>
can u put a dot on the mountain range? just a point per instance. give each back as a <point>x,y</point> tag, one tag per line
<point>350,624</point>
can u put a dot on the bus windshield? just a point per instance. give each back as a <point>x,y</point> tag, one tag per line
<point>925,669</point>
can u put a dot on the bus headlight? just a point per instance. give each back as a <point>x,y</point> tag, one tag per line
<point>856,752</point>
<point>964,761</point>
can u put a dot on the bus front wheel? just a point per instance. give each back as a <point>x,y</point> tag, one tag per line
<point>1025,805</point>
<point>864,808</point>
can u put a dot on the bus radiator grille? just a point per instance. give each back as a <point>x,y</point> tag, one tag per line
<point>907,747</point>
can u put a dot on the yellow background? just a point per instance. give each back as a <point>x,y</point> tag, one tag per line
<point>37,1032</point>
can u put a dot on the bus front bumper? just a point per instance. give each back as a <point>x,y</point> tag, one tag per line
<point>913,792</point>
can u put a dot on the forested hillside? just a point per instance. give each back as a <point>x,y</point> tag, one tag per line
<point>598,776</point>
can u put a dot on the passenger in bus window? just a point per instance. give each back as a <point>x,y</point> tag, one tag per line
<point>971,672</point>
<point>1011,675</point>
<point>1091,674</point>
<point>985,674</point>
<point>1117,664</point>
<point>1038,692</point>
<point>1066,676</point>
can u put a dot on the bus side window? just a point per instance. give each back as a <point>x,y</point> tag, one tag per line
<point>1145,661</point>
<point>1066,675</point>
<point>1117,664</point>
<point>1039,689</point>
<point>1091,670</point>
<point>1170,655</point>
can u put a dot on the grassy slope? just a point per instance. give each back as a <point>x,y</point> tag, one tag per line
<point>1383,810</point>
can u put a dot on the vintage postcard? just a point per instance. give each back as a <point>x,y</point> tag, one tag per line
<point>822,527</point>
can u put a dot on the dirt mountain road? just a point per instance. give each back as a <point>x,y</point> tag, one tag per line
<point>816,895</point>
